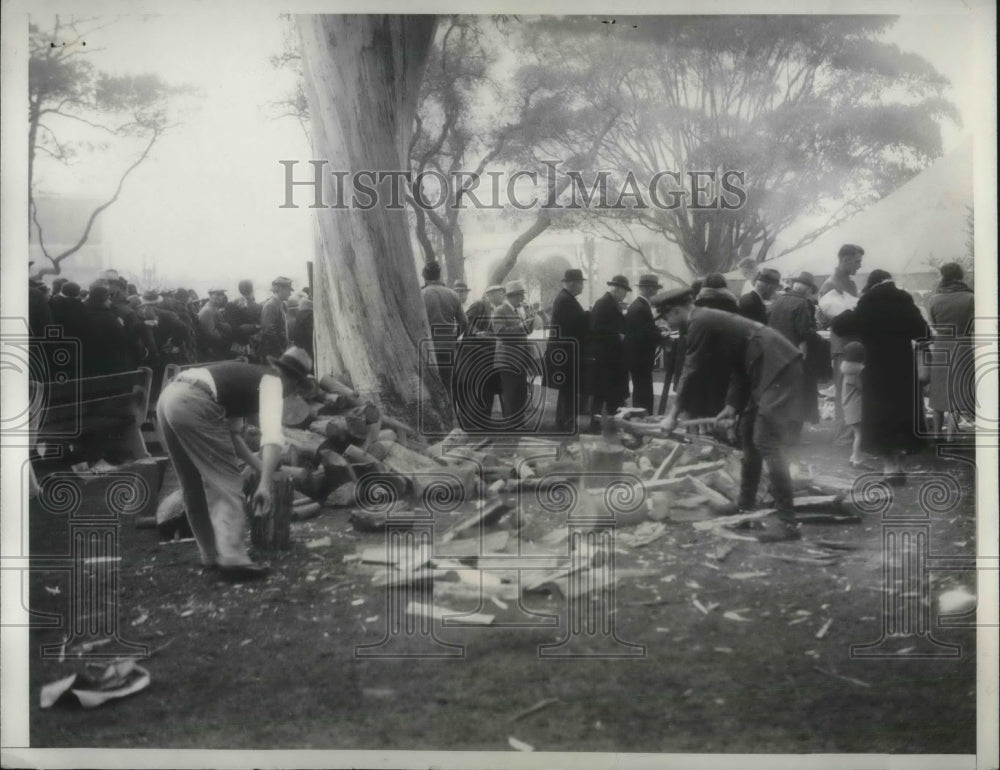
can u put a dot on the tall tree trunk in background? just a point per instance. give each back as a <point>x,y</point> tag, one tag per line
<point>362,76</point>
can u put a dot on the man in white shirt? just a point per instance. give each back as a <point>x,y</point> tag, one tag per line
<point>200,415</point>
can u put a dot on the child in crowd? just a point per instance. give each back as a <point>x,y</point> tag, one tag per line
<point>850,396</point>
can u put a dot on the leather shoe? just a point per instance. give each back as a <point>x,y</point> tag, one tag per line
<point>784,533</point>
<point>235,573</point>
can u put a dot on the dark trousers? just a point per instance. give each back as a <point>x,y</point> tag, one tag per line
<point>642,389</point>
<point>567,408</point>
<point>513,399</point>
<point>764,437</point>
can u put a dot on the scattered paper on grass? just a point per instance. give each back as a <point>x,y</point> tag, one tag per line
<point>97,684</point>
<point>371,619</point>
<point>544,703</point>
<point>733,615</point>
<point>357,602</point>
<point>746,575</point>
<point>727,650</point>
<point>851,679</point>
<point>514,743</point>
<point>956,602</point>
<point>54,590</point>
<point>141,619</point>
<point>187,613</point>
<point>320,542</point>
<point>826,627</point>
<point>245,642</point>
<point>453,617</point>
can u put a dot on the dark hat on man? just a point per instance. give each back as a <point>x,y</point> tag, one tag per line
<point>216,291</point>
<point>514,287</point>
<point>295,362</point>
<point>807,279</point>
<point>495,287</point>
<point>151,297</point>
<point>460,286</point>
<point>621,282</point>
<point>672,298</point>
<point>281,281</point>
<point>769,275</point>
<point>573,274</point>
<point>431,271</point>
<point>854,352</point>
<point>649,280</point>
<point>70,289</point>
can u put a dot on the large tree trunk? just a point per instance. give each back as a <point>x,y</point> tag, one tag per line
<point>362,76</point>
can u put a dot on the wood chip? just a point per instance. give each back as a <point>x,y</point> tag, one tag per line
<point>514,743</point>
<point>544,703</point>
<point>826,627</point>
<point>834,674</point>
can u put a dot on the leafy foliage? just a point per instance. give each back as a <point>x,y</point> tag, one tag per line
<point>65,89</point>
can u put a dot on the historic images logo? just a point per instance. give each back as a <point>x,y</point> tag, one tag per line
<point>593,190</point>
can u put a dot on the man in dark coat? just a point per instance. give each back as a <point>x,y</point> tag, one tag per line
<point>513,356</point>
<point>607,342</point>
<point>887,322</point>
<point>564,356</point>
<point>105,341</point>
<point>714,293</point>
<point>765,386</point>
<point>477,381</point>
<point>274,319</point>
<point>642,340</point>
<point>794,317</point>
<point>753,305</point>
<point>952,311</point>
<point>446,319</point>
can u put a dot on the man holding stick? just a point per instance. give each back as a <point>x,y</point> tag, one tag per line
<point>765,388</point>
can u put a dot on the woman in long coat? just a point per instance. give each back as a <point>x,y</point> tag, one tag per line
<point>887,322</point>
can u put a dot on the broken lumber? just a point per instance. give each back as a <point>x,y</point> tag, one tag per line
<point>304,446</point>
<point>295,411</point>
<point>702,488</point>
<point>669,461</point>
<point>488,513</point>
<point>697,469</point>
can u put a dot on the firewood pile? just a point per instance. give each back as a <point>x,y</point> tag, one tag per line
<point>341,449</point>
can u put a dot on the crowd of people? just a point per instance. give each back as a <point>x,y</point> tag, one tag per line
<point>119,327</point>
<point>758,360</point>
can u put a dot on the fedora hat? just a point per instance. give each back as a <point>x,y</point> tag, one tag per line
<point>649,279</point>
<point>216,291</point>
<point>460,286</point>
<point>514,287</point>
<point>573,274</point>
<point>151,297</point>
<point>295,362</point>
<point>621,282</point>
<point>807,279</point>
<point>769,275</point>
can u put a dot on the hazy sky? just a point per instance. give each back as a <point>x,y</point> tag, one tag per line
<point>206,205</point>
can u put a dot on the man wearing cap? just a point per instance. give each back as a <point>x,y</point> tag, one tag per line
<point>765,388</point>
<point>642,340</point>
<point>478,382</point>
<point>607,342</point>
<point>564,355</point>
<point>201,416</point>
<point>513,356</point>
<point>753,304</point>
<point>172,336</point>
<point>845,290</point>
<point>214,334</point>
<point>274,319</point>
<point>461,288</point>
<point>792,315</point>
<point>447,321</point>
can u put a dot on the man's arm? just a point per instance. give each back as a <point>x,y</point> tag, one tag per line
<point>271,438</point>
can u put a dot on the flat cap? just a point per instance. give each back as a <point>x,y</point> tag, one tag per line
<point>672,297</point>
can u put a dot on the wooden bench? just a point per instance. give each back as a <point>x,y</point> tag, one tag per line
<point>108,410</point>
